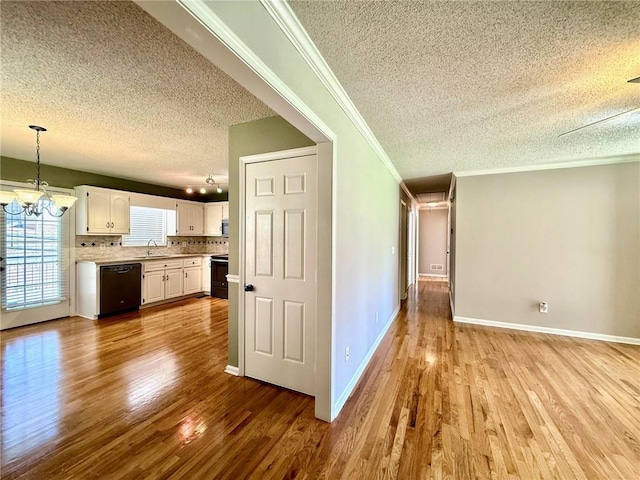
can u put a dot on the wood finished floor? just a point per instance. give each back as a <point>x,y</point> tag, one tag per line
<point>144,396</point>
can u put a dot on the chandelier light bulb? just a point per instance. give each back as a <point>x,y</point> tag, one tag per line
<point>35,201</point>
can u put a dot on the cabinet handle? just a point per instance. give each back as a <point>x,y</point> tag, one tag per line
<point>107,225</point>
<point>163,278</point>
<point>186,275</point>
<point>111,224</point>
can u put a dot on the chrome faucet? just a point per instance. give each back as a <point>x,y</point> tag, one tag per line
<point>149,246</point>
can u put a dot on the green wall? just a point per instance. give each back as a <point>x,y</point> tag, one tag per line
<point>261,136</point>
<point>16,170</point>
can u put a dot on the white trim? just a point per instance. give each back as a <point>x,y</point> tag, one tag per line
<point>437,275</point>
<point>551,331</point>
<point>203,13</point>
<point>286,19</point>
<point>281,155</point>
<point>363,365</point>
<point>453,307</point>
<point>633,157</point>
<point>231,278</point>
<point>231,370</point>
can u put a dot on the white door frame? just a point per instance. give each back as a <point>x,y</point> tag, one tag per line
<point>323,272</point>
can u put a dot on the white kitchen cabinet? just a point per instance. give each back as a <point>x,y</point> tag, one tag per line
<point>214,214</point>
<point>192,275</point>
<point>192,280</point>
<point>153,287</point>
<point>173,286</point>
<point>190,218</point>
<point>162,279</point>
<point>206,273</point>
<point>100,211</point>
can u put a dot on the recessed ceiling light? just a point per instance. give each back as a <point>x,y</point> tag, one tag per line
<point>189,190</point>
<point>203,190</point>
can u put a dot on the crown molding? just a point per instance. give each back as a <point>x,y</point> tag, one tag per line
<point>218,28</point>
<point>633,157</point>
<point>286,19</point>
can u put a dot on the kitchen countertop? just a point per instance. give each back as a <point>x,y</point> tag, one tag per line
<point>114,261</point>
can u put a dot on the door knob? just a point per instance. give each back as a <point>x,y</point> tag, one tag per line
<point>248,288</point>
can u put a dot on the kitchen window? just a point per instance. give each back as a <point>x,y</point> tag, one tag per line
<point>147,224</point>
<point>35,259</point>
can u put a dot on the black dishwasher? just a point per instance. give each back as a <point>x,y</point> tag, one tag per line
<point>120,288</point>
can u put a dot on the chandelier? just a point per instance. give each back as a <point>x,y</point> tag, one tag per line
<point>209,181</point>
<point>35,201</point>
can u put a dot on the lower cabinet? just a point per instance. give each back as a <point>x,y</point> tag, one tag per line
<point>153,287</point>
<point>192,280</point>
<point>173,286</point>
<point>171,278</point>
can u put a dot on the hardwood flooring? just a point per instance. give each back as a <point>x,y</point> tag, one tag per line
<point>143,395</point>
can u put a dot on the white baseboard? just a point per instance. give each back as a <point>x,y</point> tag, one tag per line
<point>365,361</point>
<point>551,331</point>
<point>453,308</point>
<point>231,370</point>
<point>438,275</point>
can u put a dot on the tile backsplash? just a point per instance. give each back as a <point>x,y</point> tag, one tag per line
<point>100,247</point>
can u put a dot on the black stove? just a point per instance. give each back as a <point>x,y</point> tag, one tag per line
<point>219,270</point>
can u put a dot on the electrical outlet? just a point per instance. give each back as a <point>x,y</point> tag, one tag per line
<point>346,354</point>
<point>544,308</point>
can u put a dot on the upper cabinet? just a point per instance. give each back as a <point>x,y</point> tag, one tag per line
<point>100,211</point>
<point>190,218</point>
<point>214,214</point>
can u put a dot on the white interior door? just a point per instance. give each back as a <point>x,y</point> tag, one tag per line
<point>280,259</point>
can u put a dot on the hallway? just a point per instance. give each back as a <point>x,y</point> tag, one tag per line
<point>143,395</point>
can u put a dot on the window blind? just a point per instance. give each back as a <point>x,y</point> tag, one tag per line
<point>36,259</point>
<point>146,224</point>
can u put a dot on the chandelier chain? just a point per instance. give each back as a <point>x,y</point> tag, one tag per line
<point>37,159</point>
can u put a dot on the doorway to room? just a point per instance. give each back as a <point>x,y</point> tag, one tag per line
<point>432,243</point>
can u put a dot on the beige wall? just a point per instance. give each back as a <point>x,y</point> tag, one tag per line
<point>432,240</point>
<point>570,237</point>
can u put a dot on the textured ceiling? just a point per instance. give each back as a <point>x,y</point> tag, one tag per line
<point>118,92</point>
<point>455,86</point>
